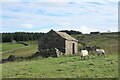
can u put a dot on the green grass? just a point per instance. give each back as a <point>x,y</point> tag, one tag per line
<point>24,52</point>
<point>63,67</point>
<point>109,42</point>
<point>9,46</point>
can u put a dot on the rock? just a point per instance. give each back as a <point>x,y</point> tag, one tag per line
<point>53,52</point>
<point>11,58</point>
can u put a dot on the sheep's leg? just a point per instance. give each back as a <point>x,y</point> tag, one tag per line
<point>81,57</point>
<point>98,55</point>
<point>101,55</point>
<point>84,57</point>
<point>104,55</point>
<point>88,56</point>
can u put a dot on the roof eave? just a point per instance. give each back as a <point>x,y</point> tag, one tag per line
<point>71,40</point>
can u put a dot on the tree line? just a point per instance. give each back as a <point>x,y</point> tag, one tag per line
<point>20,36</point>
<point>71,32</point>
<point>26,36</point>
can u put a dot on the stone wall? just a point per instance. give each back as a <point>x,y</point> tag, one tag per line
<point>53,52</point>
<point>69,46</point>
<point>51,40</point>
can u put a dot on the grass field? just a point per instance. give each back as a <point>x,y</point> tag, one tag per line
<point>109,42</point>
<point>63,67</point>
<point>25,51</point>
<point>9,46</point>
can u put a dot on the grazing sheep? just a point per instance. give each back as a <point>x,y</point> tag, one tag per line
<point>89,48</point>
<point>83,54</point>
<point>100,52</point>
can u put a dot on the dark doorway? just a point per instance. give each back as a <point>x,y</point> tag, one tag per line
<point>73,48</point>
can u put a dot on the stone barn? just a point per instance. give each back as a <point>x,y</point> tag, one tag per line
<point>61,41</point>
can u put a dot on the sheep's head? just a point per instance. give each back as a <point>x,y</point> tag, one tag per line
<point>95,48</point>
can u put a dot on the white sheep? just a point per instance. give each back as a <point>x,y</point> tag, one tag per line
<point>84,53</point>
<point>100,52</point>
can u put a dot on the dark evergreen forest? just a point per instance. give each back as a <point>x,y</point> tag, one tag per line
<point>26,36</point>
<point>20,36</point>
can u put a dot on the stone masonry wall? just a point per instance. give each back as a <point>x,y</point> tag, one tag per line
<point>52,40</point>
<point>69,46</point>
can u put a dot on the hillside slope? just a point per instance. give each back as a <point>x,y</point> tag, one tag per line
<point>109,42</point>
<point>21,52</point>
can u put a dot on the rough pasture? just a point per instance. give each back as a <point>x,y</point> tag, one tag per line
<point>18,50</point>
<point>67,66</point>
<point>9,46</point>
<point>70,66</point>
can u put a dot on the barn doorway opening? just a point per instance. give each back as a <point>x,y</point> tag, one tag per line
<point>73,48</point>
